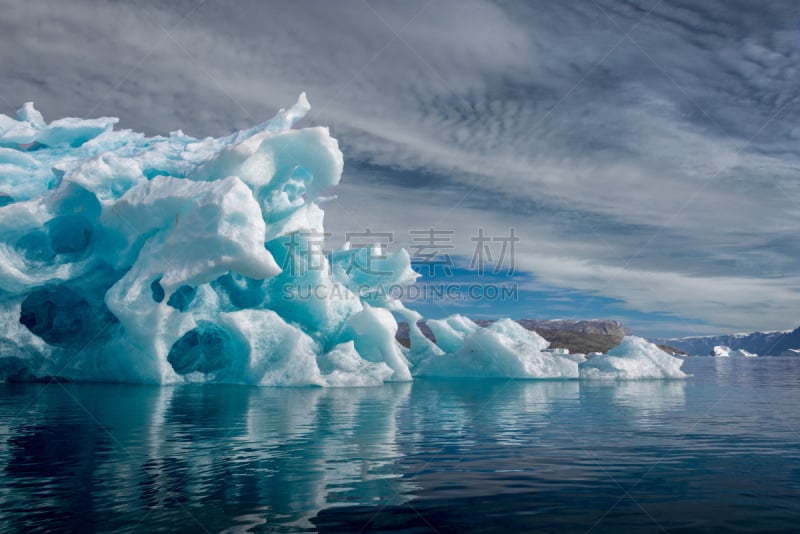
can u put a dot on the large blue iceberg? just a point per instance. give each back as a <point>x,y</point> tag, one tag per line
<point>173,259</point>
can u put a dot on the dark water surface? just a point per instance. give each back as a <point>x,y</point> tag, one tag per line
<point>719,452</point>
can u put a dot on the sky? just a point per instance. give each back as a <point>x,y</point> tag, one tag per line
<point>645,153</point>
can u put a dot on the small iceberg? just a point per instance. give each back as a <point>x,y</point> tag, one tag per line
<point>634,359</point>
<point>721,351</point>
<point>504,349</point>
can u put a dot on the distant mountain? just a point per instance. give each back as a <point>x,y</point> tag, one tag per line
<point>576,336</point>
<point>594,326</point>
<point>599,335</point>
<point>761,343</point>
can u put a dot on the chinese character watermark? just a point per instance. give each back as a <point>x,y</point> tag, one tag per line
<point>305,251</point>
<point>427,246</point>
<point>484,248</point>
<point>369,248</point>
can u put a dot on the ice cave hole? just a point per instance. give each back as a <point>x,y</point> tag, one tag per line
<point>67,236</point>
<point>62,317</point>
<point>206,348</point>
<point>180,299</point>
<point>157,290</point>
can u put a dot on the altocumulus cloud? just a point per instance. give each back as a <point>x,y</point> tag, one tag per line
<point>644,151</point>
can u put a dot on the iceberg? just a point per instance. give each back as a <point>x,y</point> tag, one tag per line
<point>721,351</point>
<point>634,359</point>
<point>504,349</point>
<point>171,259</point>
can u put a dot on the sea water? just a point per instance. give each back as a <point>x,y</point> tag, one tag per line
<point>717,452</point>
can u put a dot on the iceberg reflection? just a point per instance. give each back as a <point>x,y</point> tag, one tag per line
<point>172,455</point>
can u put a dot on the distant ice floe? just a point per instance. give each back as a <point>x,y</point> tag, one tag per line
<point>172,259</point>
<point>721,351</point>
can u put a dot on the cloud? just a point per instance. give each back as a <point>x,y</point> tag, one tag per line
<point>720,301</point>
<point>647,151</point>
